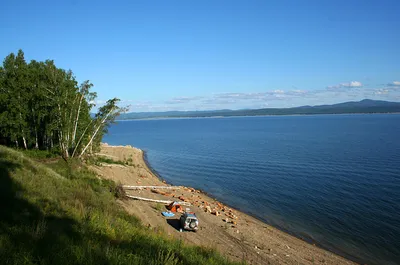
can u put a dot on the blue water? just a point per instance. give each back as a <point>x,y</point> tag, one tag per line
<point>330,179</point>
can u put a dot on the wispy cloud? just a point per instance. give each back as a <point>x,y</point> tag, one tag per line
<point>394,83</point>
<point>342,92</point>
<point>241,96</point>
<point>350,84</point>
<point>381,91</point>
<point>260,96</point>
<point>180,100</point>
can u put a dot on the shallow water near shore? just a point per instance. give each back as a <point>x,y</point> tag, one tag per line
<point>332,179</point>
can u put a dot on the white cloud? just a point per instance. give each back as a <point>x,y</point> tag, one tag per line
<point>271,98</point>
<point>256,96</point>
<point>278,91</point>
<point>298,91</point>
<point>381,91</point>
<point>182,100</point>
<point>394,83</point>
<point>98,102</point>
<point>347,85</point>
<point>352,84</point>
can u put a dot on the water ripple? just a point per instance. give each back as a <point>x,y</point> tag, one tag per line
<point>334,179</point>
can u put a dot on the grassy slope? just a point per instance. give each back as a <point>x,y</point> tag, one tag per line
<point>54,214</point>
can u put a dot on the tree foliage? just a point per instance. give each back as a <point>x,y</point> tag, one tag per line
<point>43,107</point>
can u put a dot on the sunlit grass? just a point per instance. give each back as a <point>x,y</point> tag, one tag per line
<point>59,213</point>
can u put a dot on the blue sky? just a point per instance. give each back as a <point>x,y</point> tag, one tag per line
<point>187,55</point>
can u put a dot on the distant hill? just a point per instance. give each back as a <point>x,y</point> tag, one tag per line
<point>363,106</point>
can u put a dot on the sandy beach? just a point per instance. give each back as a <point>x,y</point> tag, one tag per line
<point>235,234</point>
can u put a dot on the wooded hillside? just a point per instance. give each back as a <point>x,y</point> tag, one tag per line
<point>43,107</point>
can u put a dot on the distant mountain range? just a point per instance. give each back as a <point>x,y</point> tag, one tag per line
<point>363,106</point>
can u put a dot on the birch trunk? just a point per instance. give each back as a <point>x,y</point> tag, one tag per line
<point>36,134</point>
<point>24,141</point>
<point>64,150</point>
<point>76,121</point>
<point>80,139</point>
<point>36,139</point>
<point>96,131</point>
<point>61,136</point>
<point>71,124</point>
<point>23,134</point>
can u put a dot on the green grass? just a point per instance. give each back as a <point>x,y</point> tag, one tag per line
<point>104,160</point>
<point>158,207</point>
<point>40,154</point>
<point>59,213</point>
<point>99,160</point>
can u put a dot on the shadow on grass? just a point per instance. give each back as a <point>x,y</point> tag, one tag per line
<point>36,230</point>
<point>25,232</point>
<point>27,235</point>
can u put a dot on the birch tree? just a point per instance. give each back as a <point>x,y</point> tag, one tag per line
<point>13,119</point>
<point>104,117</point>
<point>43,107</point>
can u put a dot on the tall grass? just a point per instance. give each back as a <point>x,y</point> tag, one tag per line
<point>59,213</point>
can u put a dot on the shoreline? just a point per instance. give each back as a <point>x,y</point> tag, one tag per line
<point>250,235</point>
<point>267,115</point>
<point>308,240</point>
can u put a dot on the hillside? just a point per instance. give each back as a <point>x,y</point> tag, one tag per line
<point>363,106</point>
<point>52,213</point>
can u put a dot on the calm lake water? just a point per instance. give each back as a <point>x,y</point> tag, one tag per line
<point>330,179</point>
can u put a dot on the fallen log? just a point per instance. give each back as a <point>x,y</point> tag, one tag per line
<point>153,200</point>
<point>127,187</point>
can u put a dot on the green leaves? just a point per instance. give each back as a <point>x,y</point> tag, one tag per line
<point>43,107</point>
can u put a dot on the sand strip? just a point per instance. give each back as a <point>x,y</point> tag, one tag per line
<point>235,234</point>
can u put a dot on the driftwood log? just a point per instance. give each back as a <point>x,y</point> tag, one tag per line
<point>153,200</point>
<point>127,187</point>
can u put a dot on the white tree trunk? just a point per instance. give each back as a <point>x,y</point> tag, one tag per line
<point>36,134</point>
<point>36,139</point>
<point>64,149</point>
<point>76,121</point>
<point>22,130</point>
<point>91,139</point>
<point>61,135</point>
<point>24,141</point>
<point>96,131</point>
<point>80,139</point>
